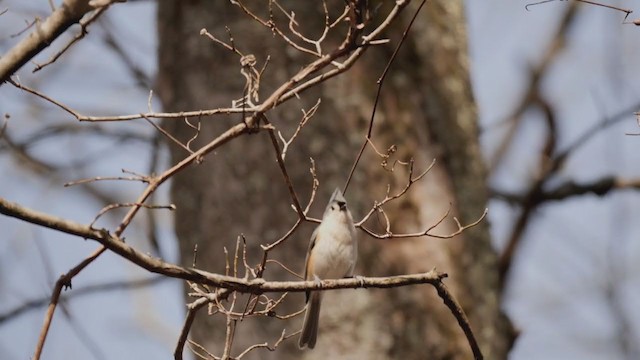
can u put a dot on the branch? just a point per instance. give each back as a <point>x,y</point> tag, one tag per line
<point>69,13</point>
<point>283,337</point>
<point>83,32</point>
<point>600,187</point>
<point>377,206</point>
<point>188,322</point>
<point>87,290</point>
<point>283,169</point>
<point>249,124</point>
<point>626,11</point>
<point>348,49</point>
<point>459,314</point>
<point>256,286</point>
<point>380,82</point>
<point>292,88</point>
<point>147,115</point>
<point>389,235</point>
<point>17,211</point>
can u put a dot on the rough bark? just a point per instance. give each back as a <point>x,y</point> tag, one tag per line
<point>427,110</point>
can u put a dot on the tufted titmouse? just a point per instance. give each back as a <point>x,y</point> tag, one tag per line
<point>332,254</point>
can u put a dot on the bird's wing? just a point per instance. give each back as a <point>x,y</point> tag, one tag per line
<point>312,244</point>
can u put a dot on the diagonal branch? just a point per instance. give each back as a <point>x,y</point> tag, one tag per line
<point>380,82</point>
<point>283,169</point>
<point>83,32</point>
<point>69,13</point>
<point>459,314</point>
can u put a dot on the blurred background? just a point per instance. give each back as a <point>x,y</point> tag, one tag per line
<point>555,90</point>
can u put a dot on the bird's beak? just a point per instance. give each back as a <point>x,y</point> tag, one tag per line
<point>343,205</point>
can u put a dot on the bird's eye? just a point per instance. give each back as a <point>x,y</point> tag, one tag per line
<point>333,207</point>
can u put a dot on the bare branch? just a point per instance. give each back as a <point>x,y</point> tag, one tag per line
<point>201,348</point>
<point>283,266</point>
<point>144,179</point>
<point>315,184</point>
<point>265,345</point>
<point>255,286</point>
<point>600,187</point>
<point>306,115</point>
<point>69,13</point>
<point>459,314</point>
<point>351,48</point>
<point>626,11</point>
<point>116,206</point>
<point>283,169</point>
<point>231,48</point>
<point>169,136</point>
<point>380,84</point>
<point>83,31</point>
<point>15,210</point>
<point>286,91</point>
<point>411,180</point>
<point>148,115</point>
<point>184,333</point>
<point>64,281</point>
<point>427,232</point>
<point>270,24</point>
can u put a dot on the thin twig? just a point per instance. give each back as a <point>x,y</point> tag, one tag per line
<point>160,115</point>
<point>380,83</point>
<point>306,116</point>
<point>106,178</point>
<point>201,348</point>
<point>265,345</point>
<point>121,205</point>
<point>42,36</point>
<point>231,48</point>
<point>271,25</point>
<point>410,181</point>
<point>168,135</point>
<point>285,268</point>
<point>283,169</point>
<point>427,232</point>
<point>83,31</point>
<point>626,11</point>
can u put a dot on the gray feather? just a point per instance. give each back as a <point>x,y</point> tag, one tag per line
<point>308,276</point>
<point>337,196</point>
<point>310,325</point>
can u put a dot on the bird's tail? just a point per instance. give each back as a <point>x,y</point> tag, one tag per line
<point>310,324</point>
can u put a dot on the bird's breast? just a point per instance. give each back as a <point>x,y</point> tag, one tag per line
<point>335,254</point>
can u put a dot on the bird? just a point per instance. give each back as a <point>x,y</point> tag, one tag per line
<point>332,254</point>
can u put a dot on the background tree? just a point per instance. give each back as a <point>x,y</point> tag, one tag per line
<point>426,110</point>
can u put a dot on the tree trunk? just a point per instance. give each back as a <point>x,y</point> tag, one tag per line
<point>426,110</point>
